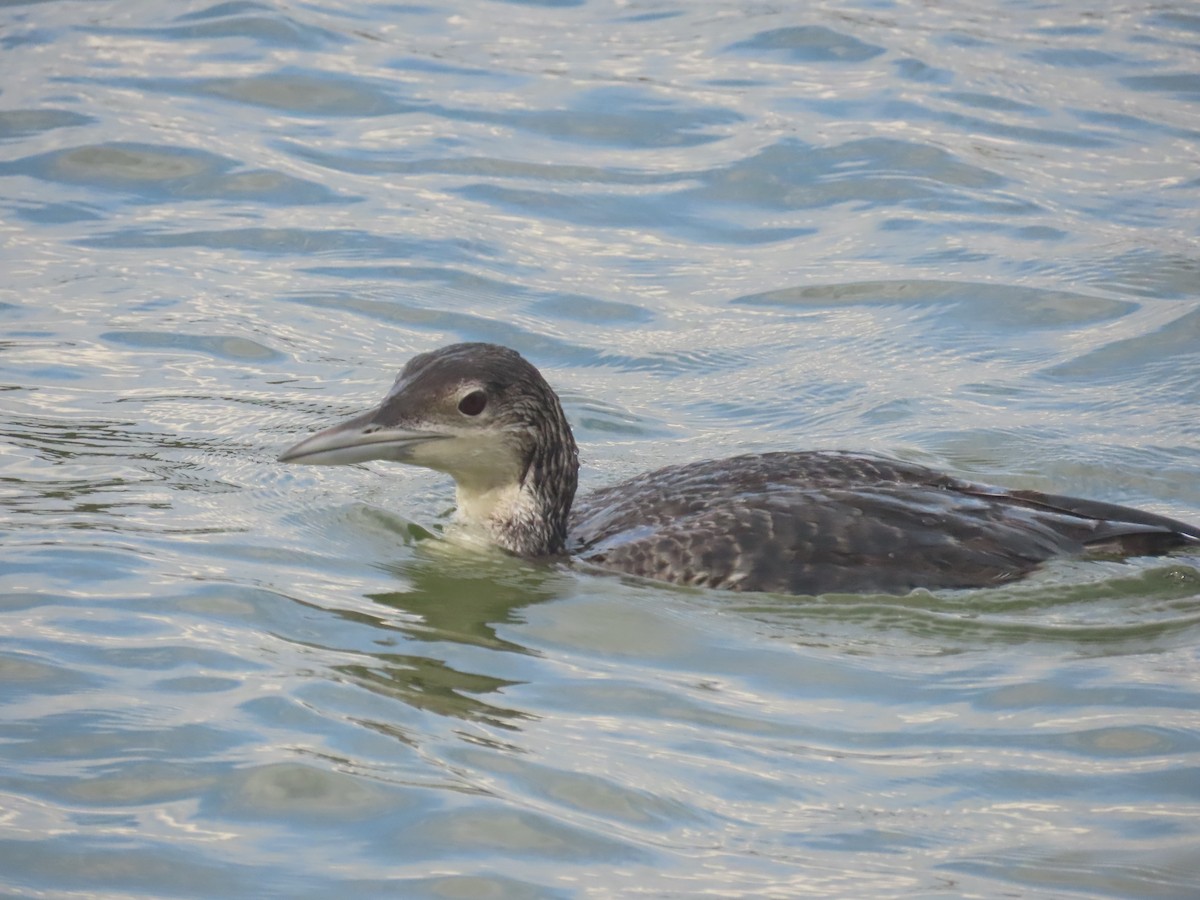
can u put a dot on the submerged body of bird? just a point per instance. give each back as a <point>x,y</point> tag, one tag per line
<point>800,522</point>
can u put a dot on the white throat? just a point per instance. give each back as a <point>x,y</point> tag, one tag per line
<point>494,503</point>
<point>496,511</point>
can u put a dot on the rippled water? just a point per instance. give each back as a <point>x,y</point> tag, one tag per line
<point>937,231</point>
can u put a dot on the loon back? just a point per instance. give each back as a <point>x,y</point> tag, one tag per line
<point>819,522</point>
<point>801,523</point>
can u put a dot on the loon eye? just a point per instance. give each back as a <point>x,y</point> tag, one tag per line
<point>472,404</point>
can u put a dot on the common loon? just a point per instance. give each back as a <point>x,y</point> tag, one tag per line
<point>788,522</point>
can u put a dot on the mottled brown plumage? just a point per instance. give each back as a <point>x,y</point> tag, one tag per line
<point>790,522</point>
<point>817,522</point>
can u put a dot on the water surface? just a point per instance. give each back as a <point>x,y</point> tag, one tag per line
<point>932,231</point>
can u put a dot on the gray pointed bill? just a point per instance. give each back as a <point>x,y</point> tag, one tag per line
<point>358,440</point>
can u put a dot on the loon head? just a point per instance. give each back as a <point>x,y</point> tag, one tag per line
<point>484,415</point>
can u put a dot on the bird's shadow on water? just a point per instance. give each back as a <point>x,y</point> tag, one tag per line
<point>472,599</point>
<point>1095,608</point>
<point>452,596</point>
<point>462,594</point>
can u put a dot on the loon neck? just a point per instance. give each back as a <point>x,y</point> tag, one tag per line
<point>526,514</point>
